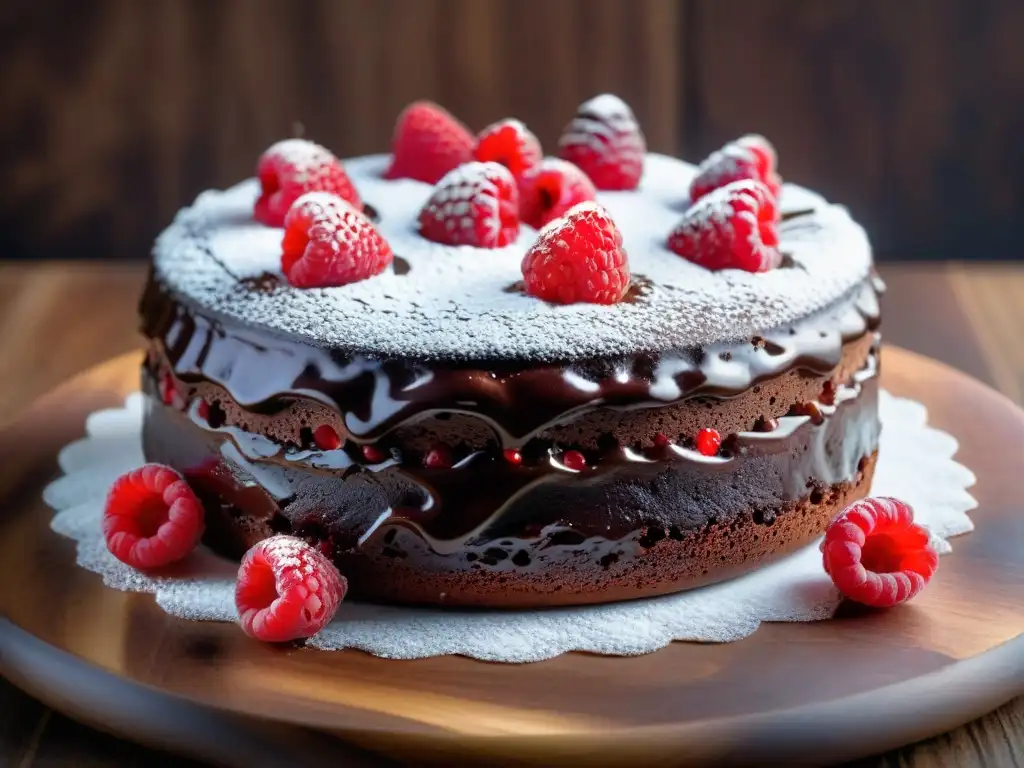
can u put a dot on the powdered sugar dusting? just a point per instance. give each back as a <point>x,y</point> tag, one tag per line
<point>915,464</point>
<point>454,302</point>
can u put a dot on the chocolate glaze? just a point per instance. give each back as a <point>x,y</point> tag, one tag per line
<point>262,372</point>
<point>482,498</point>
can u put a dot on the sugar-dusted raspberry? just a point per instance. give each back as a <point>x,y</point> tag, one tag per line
<point>477,204</point>
<point>578,258</point>
<point>327,243</point>
<point>749,157</point>
<point>605,141</point>
<point>574,460</point>
<point>509,143</point>
<point>428,143</point>
<point>152,518</point>
<point>708,441</point>
<point>326,438</point>
<point>438,457</point>
<point>286,590</point>
<point>550,189</point>
<point>733,227</point>
<point>289,169</point>
<point>876,554</point>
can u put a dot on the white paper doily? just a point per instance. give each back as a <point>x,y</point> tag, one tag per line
<point>915,464</point>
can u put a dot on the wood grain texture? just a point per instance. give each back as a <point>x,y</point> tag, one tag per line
<point>907,112</point>
<point>118,124</point>
<point>81,314</point>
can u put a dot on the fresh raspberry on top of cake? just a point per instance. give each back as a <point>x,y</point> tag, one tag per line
<point>328,243</point>
<point>605,141</point>
<point>428,142</point>
<point>510,143</point>
<point>749,157</point>
<point>477,204</point>
<point>733,227</point>
<point>578,258</point>
<point>550,189</point>
<point>289,169</point>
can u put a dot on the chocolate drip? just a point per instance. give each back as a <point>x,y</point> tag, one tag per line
<point>263,373</point>
<point>484,499</point>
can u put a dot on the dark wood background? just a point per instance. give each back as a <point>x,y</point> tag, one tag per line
<point>114,113</point>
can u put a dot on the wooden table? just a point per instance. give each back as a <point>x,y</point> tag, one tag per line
<point>58,318</point>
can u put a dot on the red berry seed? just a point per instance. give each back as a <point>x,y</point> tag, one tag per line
<point>286,590</point>
<point>513,457</point>
<point>373,454</point>
<point>876,554</point>
<point>476,204</point>
<point>574,460</point>
<point>605,142</point>
<point>438,457</point>
<point>168,391</point>
<point>290,169</point>
<point>152,518</point>
<point>708,442</point>
<point>578,258</point>
<point>510,143</point>
<point>326,438</point>
<point>328,243</point>
<point>428,143</point>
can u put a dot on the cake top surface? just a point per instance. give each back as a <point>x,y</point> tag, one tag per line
<point>465,303</point>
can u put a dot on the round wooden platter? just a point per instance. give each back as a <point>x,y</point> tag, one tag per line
<point>791,694</point>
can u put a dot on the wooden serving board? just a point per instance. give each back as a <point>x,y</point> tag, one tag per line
<point>792,694</point>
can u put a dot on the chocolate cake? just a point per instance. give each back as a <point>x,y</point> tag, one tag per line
<point>448,439</point>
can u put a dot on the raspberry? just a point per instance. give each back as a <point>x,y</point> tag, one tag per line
<point>293,167</point>
<point>749,157</point>
<point>476,204</point>
<point>328,243</point>
<point>604,140</point>
<point>513,456</point>
<point>438,458</point>
<point>286,590</point>
<point>875,553</point>
<point>708,441</point>
<point>574,460</point>
<point>552,188</point>
<point>732,227</point>
<point>578,257</point>
<point>509,143</point>
<point>326,438</point>
<point>152,518</point>
<point>661,440</point>
<point>428,143</point>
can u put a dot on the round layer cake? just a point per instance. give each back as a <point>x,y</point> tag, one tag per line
<point>449,439</point>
